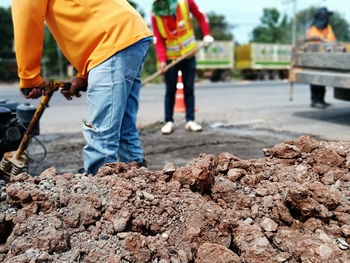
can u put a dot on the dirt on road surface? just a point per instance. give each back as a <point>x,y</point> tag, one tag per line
<point>291,205</point>
<point>64,151</point>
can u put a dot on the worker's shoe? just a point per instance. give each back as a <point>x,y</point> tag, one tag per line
<point>193,126</point>
<point>168,128</point>
<point>81,171</point>
<point>142,164</point>
<point>318,105</point>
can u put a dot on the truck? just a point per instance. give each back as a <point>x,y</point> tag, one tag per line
<point>326,64</point>
<point>253,61</point>
<point>263,60</point>
<point>216,61</point>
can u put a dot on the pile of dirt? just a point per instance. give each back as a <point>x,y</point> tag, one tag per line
<point>291,206</point>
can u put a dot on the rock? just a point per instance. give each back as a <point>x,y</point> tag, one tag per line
<point>262,242</point>
<point>148,196</point>
<point>3,196</point>
<point>224,160</point>
<point>346,230</point>
<point>234,174</point>
<point>214,253</point>
<point>269,225</point>
<point>193,231</point>
<point>49,173</point>
<point>249,221</point>
<point>119,223</point>
<point>325,252</point>
<point>343,245</point>
<point>268,201</point>
<point>182,256</point>
<point>323,236</point>
<point>200,177</point>
<point>283,151</point>
<point>169,168</point>
<point>122,235</point>
<point>165,236</point>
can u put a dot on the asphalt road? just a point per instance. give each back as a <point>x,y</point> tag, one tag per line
<point>242,105</point>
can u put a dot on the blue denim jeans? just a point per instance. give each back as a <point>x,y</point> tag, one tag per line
<point>188,68</point>
<point>113,99</point>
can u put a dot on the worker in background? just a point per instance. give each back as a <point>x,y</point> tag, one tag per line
<point>320,29</point>
<point>107,42</point>
<point>174,38</point>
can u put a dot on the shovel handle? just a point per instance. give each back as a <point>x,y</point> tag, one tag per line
<point>38,113</point>
<point>173,63</point>
<point>54,85</point>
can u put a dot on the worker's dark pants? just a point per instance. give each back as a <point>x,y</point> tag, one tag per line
<point>188,68</point>
<point>317,93</point>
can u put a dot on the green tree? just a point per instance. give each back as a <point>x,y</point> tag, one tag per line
<point>136,7</point>
<point>8,68</point>
<point>305,17</point>
<point>272,29</point>
<point>6,29</point>
<point>340,26</point>
<point>304,20</point>
<point>220,29</point>
<point>52,57</point>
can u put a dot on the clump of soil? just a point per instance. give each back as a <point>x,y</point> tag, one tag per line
<point>291,206</point>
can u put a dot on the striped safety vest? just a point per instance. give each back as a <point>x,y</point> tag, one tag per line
<point>180,41</point>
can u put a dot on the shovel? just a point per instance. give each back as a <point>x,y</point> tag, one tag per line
<point>16,162</point>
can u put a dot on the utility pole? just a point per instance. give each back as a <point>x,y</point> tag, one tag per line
<point>294,37</point>
<point>294,28</point>
<point>294,20</point>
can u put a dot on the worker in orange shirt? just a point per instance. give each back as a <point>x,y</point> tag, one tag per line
<point>320,29</point>
<point>174,37</point>
<point>107,42</point>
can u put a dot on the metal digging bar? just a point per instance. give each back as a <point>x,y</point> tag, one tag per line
<point>16,162</point>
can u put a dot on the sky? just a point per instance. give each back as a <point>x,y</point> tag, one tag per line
<point>245,14</point>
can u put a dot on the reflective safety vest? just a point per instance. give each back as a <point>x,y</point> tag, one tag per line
<point>181,41</point>
<point>325,34</point>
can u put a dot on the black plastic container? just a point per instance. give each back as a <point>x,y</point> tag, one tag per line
<point>25,113</point>
<point>5,116</point>
<point>11,105</point>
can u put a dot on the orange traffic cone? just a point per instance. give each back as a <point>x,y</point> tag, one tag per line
<point>180,97</point>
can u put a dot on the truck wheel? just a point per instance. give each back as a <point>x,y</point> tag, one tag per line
<point>225,75</point>
<point>216,75</point>
<point>274,75</point>
<point>283,74</point>
<point>263,75</point>
<point>249,74</point>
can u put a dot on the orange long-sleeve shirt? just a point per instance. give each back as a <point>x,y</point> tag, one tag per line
<point>87,31</point>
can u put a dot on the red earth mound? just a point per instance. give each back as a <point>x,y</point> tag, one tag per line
<point>291,206</point>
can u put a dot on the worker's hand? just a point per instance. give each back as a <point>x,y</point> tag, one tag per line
<point>162,67</point>
<point>78,84</point>
<point>36,92</point>
<point>208,40</point>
